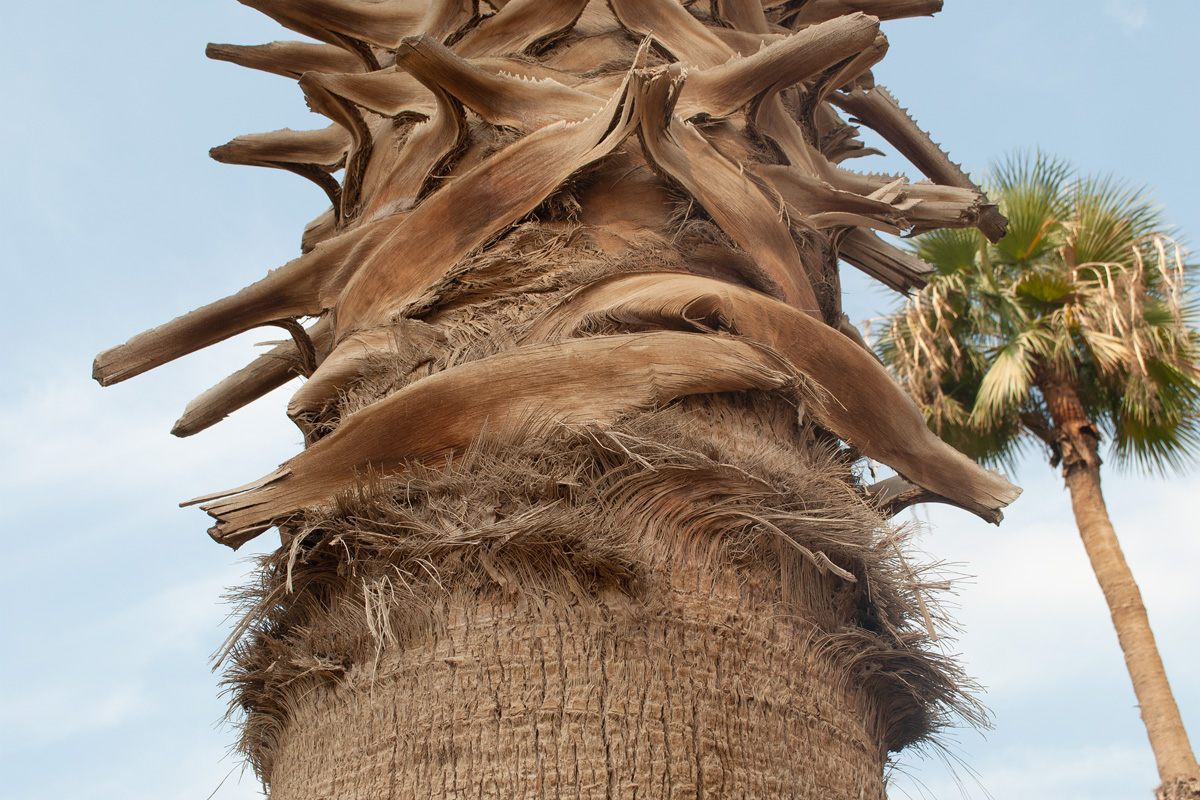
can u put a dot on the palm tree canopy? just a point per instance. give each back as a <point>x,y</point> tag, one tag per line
<point>1087,285</point>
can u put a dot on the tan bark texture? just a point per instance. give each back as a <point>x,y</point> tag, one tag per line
<point>700,697</point>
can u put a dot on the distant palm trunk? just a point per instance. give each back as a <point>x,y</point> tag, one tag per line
<point>1168,738</point>
<point>1081,469</point>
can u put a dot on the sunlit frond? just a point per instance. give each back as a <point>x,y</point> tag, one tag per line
<point>1109,219</point>
<point>1031,191</point>
<point>1007,381</point>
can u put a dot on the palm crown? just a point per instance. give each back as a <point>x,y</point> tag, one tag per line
<point>1087,286</point>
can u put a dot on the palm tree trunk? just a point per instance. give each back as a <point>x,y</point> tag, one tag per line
<point>574,516</point>
<point>1078,442</point>
<point>691,698</point>
<point>598,614</point>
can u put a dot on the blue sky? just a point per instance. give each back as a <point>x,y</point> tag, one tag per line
<point>115,221</point>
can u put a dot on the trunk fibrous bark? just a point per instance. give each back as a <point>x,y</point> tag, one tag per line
<point>576,357</point>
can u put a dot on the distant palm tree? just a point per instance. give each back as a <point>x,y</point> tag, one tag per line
<point>1073,328</point>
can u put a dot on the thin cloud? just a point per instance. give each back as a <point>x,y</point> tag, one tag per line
<point>1131,16</point>
<point>48,715</point>
<point>72,433</point>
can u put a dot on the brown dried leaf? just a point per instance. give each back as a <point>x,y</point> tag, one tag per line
<point>304,287</point>
<point>512,102</point>
<point>389,93</point>
<point>381,22</point>
<point>323,100</point>
<point>446,17</point>
<point>670,24</point>
<point>865,407</point>
<point>310,154</point>
<point>878,110</point>
<point>585,55</point>
<point>261,376</point>
<point>289,59</point>
<point>895,207</point>
<point>721,90</point>
<point>889,265</point>
<point>472,208</point>
<point>817,11</point>
<point>520,26</point>
<point>727,193</point>
<point>576,382</point>
<point>318,230</point>
<point>397,176</point>
<point>742,15</point>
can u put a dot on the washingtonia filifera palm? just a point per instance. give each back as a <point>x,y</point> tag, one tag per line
<point>1075,328</point>
<point>576,514</point>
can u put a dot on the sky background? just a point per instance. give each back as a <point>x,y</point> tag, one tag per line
<point>114,220</point>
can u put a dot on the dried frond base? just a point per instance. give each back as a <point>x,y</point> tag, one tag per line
<point>717,525</point>
<point>1179,789</point>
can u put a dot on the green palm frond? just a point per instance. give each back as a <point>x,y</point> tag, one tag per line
<point>1049,286</point>
<point>1006,383</point>
<point>1109,219</point>
<point>1110,352</point>
<point>1035,204</point>
<point>1088,285</point>
<point>1157,449</point>
<point>951,249</point>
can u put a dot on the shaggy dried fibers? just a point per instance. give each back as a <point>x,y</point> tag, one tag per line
<point>616,531</point>
<point>1179,789</point>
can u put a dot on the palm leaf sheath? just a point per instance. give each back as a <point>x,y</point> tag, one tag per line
<point>692,168</point>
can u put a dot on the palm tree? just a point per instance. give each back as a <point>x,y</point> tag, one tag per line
<point>578,510</point>
<point>1074,328</point>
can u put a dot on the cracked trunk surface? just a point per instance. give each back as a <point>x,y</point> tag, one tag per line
<point>693,699</point>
